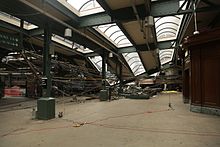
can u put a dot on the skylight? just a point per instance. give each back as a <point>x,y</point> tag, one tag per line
<point>134,62</point>
<point>166,55</point>
<point>167,28</point>
<point>114,34</point>
<point>62,41</point>
<point>82,49</point>
<point>16,21</point>
<point>70,44</point>
<point>111,78</point>
<point>82,7</point>
<point>97,62</point>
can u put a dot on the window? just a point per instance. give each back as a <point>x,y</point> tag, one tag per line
<point>16,21</point>
<point>134,62</point>
<point>166,55</point>
<point>70,44</point>
<point>114,34</point>
<point>167,28</point>
<point>82,7</point>
<point>97,62</point>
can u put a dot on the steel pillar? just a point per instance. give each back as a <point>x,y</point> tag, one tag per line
<point>2,86</point>
<point>46,104</point>
<point>104,93</point>
<point>10,80</point>
<point>120,78</point>
<point>47,61</point>
<point>104,70</point>
<point>21,35</point>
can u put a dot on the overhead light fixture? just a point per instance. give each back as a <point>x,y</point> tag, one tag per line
<point>110,55</point>
<point>149,21</point>
<point>196,32</point>
<point>82,47</point>
<point>68,32</point>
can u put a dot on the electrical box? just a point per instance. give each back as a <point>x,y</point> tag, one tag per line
<point>45,108</point>
<point>104,95</point>
<point>44,82</point>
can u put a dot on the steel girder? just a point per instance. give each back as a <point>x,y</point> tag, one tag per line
<point>158,9</point>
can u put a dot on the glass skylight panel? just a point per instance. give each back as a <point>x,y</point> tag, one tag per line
<point>114,34</point>
<point>62,41</point>
<point>82,49</point>
<point>97,62</point>
<point>154,74</point>
<point>16,21</point>
<point>70,44</point>
<point>166,55</point>
<point>167,27</point>
<point>134,62</point>
<point>82,7</point>
<point>29,26</point>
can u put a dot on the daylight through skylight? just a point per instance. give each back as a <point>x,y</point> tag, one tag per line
<point>166,55</point>
<point>97,62</point>
<point>114,34</point>
<point>82,7</point>
<point>70,44</point>
<point>16,21</point>
<point>134,62</point>
<point>167,28</point>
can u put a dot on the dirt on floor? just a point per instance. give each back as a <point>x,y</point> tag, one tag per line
<point>162,120</point>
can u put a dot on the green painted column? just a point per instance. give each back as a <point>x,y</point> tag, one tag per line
<point>2,86</point>
<point>104,70</point>
<point>120,78</point>
<point>21,46</point>
<point>46,104</point>
<point>47,61</point>
<point>9,80</point>
<point>104,93</point>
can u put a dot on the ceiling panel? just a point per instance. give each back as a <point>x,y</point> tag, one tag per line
<point>134,30</point>
<point>150,59</point>
<point>47,8</point>
<point>117,4</point>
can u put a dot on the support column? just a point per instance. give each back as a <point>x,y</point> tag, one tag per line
<point>46,104</point>
<point>104,70</point>
<point>9,80</point>
<point>104,93</point>
<point>120,78</point>
<point>47,62</point>
<point>21,47</point>
<point>2,86</point>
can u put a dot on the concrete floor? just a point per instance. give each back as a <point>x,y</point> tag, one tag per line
<point>124,122</point>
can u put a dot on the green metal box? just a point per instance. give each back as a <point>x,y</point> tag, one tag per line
<point>45,108</point>
<point>104,95</point>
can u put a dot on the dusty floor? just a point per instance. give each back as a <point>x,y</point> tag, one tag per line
<point>124,122</point>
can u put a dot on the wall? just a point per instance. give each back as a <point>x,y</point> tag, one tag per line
<point>205,69</point>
